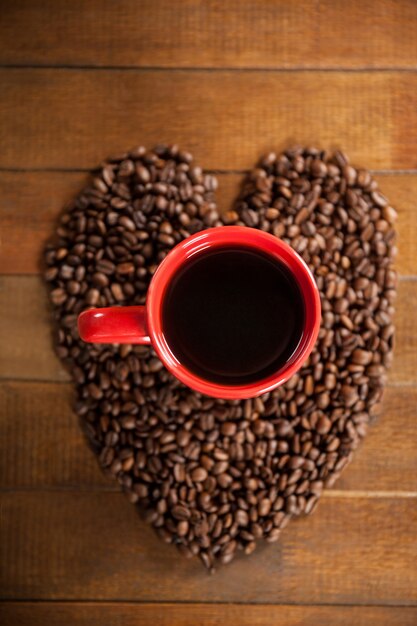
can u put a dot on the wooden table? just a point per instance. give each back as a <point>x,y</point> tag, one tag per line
<point>228,81</point>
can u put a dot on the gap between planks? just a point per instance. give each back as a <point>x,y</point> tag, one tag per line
<point>402,278</point>
<point>213,603</point>
<point>213,69</point>
<point>214,172</point>
<point>10,379</point>
<point>328,493</point>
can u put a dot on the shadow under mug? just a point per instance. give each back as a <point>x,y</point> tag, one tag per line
<point>144,324</point>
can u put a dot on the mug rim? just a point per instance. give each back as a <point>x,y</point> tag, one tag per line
<point>217,237</point>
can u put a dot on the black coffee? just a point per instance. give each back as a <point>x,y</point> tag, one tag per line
<point>233,315</point>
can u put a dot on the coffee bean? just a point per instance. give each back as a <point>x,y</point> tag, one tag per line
<point>361,357</point>
<point>182,528</point>
<point>181,512</point>
<point>224,480</point>
<point>283,427</point>
<point>379,199</point>
<point>142,173</point>
<point>117,292</point>
<point>270,213</point>
<point>219,468</point>
<point>100,280</point>
<point>296,462</point>
<point>264,507</point>
<point>105,266</point>
<point>318,168</point>
<point>199,474</point>
<point>309,385</point>
<point>128,422</point>
<point>242,518</point>
<point>323,425</point>
<point>228,429</point>
<point>58,296</point>
<point>216,475</point>
<point>389,214</point>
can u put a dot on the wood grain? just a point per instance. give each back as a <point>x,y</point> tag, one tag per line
<point>129,614</point>
<point>94,546</point>
<point>30,204</point>
<point>196,33</point>
<point>32,201</point>
<point>42,445</point>
<point>227,81</point>
<point>71,118</point>
<point>26,332</point>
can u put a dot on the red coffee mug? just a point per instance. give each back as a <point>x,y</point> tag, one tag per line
<point>144,324</point>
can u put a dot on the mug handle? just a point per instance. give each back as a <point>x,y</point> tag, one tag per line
<point>115,324</point>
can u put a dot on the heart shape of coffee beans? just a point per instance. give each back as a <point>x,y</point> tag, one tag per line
<point>214,476</point>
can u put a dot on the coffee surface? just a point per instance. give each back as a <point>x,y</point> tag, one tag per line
<point>233,315</point>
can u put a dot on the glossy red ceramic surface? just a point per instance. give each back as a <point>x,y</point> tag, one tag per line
<point>115,324</point>
<point>144,324</point>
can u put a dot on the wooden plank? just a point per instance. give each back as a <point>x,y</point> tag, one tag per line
<point>387,459</point>
<point>94,546</point>
<point>187,33</point>
<point>130,614</point>
<point>42,445</point>
<point>25,332</point>
<point>71,118</point>
<point>401,190</point>
<point>31,202</point>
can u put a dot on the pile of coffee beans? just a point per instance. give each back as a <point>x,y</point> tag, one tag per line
<point>214,476</point>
